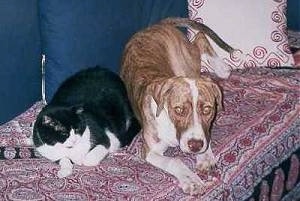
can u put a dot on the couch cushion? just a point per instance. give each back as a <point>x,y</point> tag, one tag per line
<point>79,34</point>
<point>293,15</point>
<point>19,57</point>
<point>255,138</point>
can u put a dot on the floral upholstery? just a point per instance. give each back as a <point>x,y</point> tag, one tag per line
<point>256,140</point>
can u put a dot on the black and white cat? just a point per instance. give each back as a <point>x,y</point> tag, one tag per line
<point>88,117</point>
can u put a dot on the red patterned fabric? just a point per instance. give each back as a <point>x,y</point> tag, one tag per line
<point>294,173</point>
<point>257,131</point>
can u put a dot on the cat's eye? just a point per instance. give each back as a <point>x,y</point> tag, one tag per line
<point>65,134</point>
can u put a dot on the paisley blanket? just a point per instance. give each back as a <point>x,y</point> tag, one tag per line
<point>256,139</point>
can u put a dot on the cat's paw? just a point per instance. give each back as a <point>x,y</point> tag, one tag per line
<point>90,161</point>
<point>64,172</point>
<point>66,168</point>
<point>77,159</point>
<point>96,155</point>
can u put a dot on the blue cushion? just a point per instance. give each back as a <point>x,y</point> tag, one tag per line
<point>293,14</point>
<point>20,52</point>
<point>78,34</point>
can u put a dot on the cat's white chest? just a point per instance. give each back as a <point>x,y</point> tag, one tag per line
<point>74,148</point>
<point>78,150</point>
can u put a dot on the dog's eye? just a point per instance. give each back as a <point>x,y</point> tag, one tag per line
<point>179,111</point>
<point>206,110</point>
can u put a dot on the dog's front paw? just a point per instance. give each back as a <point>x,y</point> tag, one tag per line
<point>191,185</point>
<point>208,164</point>
<point>206,161</point>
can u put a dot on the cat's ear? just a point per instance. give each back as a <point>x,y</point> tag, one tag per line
<point>79,110</point>
<point>47,120</point>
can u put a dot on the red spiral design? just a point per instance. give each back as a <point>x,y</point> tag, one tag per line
<point>284,29</point>
<point>276,36</point>
<point>286,48</point>
<point>250,63</point>
<point>190,12</point>
<point>259,52</point>
<point>198,19</point>
<point>278,1</point>
<point>190,35</point>
<point>197,3</point>
<point>273,62</point>
<point>276,17</point>
<point>236,55</point>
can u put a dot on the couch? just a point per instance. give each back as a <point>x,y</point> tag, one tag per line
<point>256,138</point>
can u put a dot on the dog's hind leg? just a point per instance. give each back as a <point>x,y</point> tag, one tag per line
<point>214,63</point>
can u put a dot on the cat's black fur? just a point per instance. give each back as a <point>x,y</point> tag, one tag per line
<point>95,97</point>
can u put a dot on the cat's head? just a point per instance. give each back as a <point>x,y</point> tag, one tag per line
<point>54,124</point>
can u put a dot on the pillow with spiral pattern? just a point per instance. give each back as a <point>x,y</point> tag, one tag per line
<point>256,29</point>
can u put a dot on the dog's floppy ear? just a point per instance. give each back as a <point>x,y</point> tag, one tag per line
<point>218,95</point>
<point>160,92</point>
<point>213,89</point>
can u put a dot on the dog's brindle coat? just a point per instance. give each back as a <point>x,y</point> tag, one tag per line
<point>176,106</point>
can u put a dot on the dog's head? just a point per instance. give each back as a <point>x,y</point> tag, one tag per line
<point>187,107</point>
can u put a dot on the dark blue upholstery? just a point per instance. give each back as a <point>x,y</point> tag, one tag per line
<point>19,57</point>
<point>79,34</point>
<point>293,14</point>
<point>76,34</point>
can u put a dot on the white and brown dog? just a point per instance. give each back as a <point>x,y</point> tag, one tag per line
<point>176,106</point>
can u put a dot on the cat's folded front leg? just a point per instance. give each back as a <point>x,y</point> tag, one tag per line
<point>81,148</point>
<point>66,168</point>
<point>96,155</point>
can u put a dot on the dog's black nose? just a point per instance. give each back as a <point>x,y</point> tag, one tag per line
<point>195,145</point>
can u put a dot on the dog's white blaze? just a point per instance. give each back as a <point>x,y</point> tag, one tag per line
<point>196,131</point>
<point>165,127</point>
